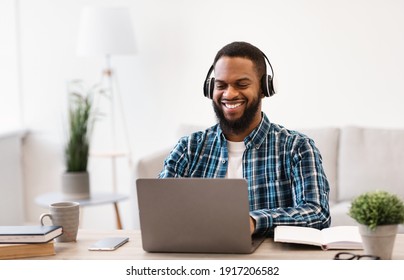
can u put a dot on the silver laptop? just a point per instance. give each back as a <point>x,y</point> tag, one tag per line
<point>195,215</point>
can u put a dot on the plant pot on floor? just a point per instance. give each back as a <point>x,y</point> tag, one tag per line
<point>75,185</point>
<point>380,241</point>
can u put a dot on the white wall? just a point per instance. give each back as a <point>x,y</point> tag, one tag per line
<point>10,112</point>
<point>336,63</point>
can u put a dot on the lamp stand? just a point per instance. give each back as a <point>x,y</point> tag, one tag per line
<point>115,101</point>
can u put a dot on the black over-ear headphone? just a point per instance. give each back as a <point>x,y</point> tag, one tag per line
<point>267,85</point>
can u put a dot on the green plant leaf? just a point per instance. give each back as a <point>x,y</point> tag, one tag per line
<point>377,208</point>
<point>82,116</point>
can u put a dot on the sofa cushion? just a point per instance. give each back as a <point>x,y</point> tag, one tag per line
<point>339,214</point>
<point>150,166</point>
<point>370,159</point>
<point>326,140</point>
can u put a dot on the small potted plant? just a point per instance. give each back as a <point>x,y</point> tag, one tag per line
<point>81,116</point>
<point>378,213</point>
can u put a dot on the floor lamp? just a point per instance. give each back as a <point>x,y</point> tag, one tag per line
<point>107,32</point>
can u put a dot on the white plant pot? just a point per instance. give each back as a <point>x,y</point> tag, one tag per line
<point>379,242</point>
<point>75,185</point>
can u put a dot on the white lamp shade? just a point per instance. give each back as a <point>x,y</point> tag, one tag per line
<point>105,31</point>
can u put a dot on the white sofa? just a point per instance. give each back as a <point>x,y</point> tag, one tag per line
<point>355,159</point>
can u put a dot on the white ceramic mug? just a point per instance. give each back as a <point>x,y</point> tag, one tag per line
<point>65,214</point>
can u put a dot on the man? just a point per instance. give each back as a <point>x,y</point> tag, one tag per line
<point>287,183</point>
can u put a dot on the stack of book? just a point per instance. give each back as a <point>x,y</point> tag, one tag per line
<point>27,241</point>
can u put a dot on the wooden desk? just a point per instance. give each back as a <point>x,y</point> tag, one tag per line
<point>133,250</point>
<point>95,199</point>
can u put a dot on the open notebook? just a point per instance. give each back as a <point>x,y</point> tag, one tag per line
<point>195,215</point>
<point>338,237</point>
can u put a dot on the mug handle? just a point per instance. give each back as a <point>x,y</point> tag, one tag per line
<point>43,216</point>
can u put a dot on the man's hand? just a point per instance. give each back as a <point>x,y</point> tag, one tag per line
<point>252,225</point>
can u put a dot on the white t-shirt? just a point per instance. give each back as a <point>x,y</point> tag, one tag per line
<point>235,166</point>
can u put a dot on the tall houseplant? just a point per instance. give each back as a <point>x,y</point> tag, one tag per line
<point>378,213</point>
<point>81,117</point>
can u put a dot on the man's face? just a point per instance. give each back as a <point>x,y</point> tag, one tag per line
<point>236,97</point>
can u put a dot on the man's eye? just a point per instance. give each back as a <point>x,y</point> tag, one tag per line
<point>220,86</point>
<point>242,86</point>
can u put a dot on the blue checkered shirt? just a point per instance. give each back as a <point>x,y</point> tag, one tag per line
<point>286,181</point>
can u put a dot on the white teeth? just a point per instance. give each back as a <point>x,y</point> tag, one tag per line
<point>232,106</point>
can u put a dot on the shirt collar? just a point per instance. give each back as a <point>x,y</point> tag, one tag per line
<point>258,135</point>
<point>255,138</point>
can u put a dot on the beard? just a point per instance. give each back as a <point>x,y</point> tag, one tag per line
<point>240,124</point>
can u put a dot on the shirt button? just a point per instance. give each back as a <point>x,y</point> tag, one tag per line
<point>223,161</point>
<point>257,147</point>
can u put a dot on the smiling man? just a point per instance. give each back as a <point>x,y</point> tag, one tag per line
<point>237,113</point>
<point>286,181</point>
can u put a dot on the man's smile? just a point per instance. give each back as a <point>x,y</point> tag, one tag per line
<point>232,105</point>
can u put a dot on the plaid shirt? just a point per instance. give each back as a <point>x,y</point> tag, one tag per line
<point>286,181</point>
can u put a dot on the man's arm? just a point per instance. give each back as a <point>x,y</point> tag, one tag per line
<point>310,190</point>
<point>176,164</point>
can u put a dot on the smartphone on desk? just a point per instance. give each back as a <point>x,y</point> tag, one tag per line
<point>108,244</point>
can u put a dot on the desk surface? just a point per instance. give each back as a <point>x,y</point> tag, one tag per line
<point>133,250</point>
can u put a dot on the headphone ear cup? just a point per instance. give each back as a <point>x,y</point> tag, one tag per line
<point>209,88</point>
<point>267,85</point>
